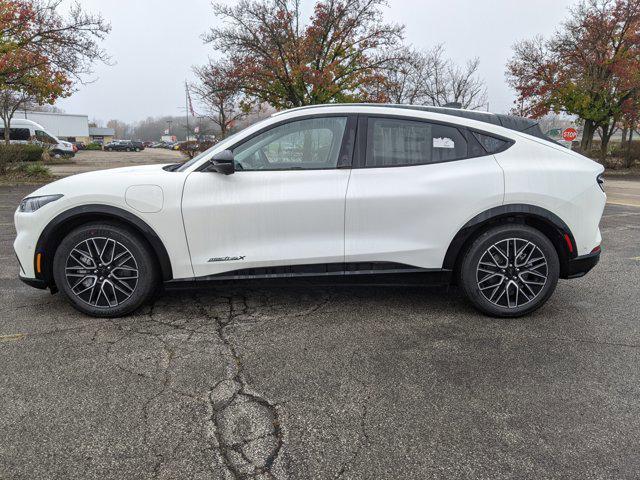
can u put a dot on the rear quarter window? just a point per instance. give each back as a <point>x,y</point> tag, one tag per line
<point>491,144</point>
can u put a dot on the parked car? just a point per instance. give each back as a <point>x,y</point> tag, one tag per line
<point>28,131</point>
<point>80,145</point>
<point>123,146</point>
<point>137,145</point>
<point>366,193</point>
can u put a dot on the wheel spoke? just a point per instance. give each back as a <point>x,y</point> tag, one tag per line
<point>537,274</point>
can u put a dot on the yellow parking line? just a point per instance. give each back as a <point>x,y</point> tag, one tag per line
<point>12,337</point>
<point>609,202</point>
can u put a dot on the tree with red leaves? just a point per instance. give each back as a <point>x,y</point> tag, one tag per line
<point>219,92</point>
<point>43,53</point>
<point>339,55</point>
<point>590,68</point>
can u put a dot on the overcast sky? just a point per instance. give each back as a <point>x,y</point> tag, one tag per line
<point>154,44</point>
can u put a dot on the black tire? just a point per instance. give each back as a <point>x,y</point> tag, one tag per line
<point>96,289</point>
<point>519,288</point>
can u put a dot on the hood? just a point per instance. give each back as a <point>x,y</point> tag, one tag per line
<point>119,178</point>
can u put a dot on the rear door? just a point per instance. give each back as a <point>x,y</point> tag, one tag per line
<point>284,205</point>
<point>414,185</point>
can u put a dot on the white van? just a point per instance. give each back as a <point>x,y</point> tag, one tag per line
<point>27,131</point>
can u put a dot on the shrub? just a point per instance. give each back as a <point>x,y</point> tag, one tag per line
<point>34,170</point>
<point>620,151</point>
<point>191,148</point>
<point>94,146</point>
<point>18,153</point>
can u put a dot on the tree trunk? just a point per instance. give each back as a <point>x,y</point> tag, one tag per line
<point>587,135</point>
<point>7,131</point>
<point>607,132</point>
<point>625,131</point>
<point>627,153</point>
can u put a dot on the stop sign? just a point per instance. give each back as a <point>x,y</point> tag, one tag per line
<point>569,134</point>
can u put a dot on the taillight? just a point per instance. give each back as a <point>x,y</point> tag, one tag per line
<point>600,180</point>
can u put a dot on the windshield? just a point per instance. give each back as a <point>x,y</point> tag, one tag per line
<point>227,140</point>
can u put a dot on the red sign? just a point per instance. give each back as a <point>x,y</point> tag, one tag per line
<point>569,134</point>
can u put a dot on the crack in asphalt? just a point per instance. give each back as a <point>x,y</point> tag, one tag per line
<point>243,432</point>
<point>240,398</point>
<point>364,440</point>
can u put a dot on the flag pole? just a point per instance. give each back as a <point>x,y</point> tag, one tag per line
<point>186,103</point>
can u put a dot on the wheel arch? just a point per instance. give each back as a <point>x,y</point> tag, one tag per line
<point>548,223</point>
<point>68,220</point>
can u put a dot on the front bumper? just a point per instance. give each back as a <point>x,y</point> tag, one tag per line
<point>580,266</point>
<point>34,282</point>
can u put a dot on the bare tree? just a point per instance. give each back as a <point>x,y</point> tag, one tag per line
<point>427,77</point>
<point>451,83</point>
<point>120,128</point>
<point>409,76</point>
<point>220,94</point>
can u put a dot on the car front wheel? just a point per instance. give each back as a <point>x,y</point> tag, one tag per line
<point>509,271</point>
<point>105,270</point>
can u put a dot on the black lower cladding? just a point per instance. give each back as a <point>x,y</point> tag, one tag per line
<point>369,273</point>
<point>34,282</point>
<point>580,266</point>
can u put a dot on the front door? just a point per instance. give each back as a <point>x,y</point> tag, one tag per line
<point>284,205</point>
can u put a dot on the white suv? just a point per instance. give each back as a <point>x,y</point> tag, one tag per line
<point>372,193</point>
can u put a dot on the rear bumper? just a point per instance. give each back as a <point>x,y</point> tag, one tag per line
<point>580,266</point>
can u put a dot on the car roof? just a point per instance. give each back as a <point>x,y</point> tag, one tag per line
<point>16,122</point>
<point>510,122</point>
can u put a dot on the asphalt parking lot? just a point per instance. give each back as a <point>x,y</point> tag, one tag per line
<point>309,383</point>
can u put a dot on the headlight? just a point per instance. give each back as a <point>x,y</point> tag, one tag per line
<point>31,204</point>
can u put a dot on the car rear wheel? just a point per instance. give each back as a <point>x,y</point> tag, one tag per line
<point>509,271</point>
<point>105,270</point>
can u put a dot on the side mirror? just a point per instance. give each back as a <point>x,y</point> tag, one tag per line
<point>222,162</point>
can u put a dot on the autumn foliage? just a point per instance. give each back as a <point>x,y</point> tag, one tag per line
<point>590,68</point>
<point>23,66</point>
<point>44,53</point>
<point>339,55</point>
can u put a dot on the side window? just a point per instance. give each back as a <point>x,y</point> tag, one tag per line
<point>489,143</point>
<point>44,137</point>
<point>305,144</point>
<point>394,142</point>
<point>19,134</point>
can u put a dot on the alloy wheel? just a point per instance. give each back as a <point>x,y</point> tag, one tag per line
<point>101,272</point>
<point>512,272</point>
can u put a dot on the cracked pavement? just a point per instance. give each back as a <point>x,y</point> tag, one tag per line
<point>325,382</point>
